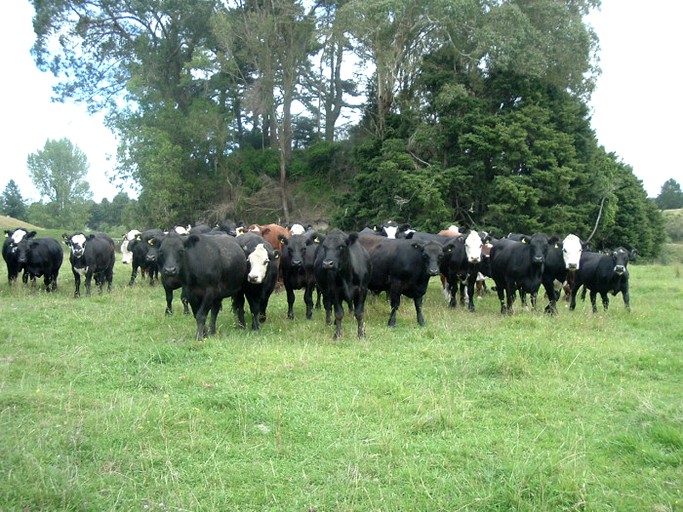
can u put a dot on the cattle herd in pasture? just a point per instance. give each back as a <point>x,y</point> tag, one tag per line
<point>248,263</point>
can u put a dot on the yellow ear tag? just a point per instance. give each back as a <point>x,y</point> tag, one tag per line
<point>316,240</point>
<point>6,235</point>
<point>523,240</point>
<point>557,246</point>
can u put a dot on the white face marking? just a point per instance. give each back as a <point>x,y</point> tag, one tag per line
<point>126,255</point>
<point>258,259</point>
<point>130,236</point>
<point>297,229</point>
<point>571,252</point>
<point>391,231</point>
<point>473,245</point>
<point>78,244</point>
<point>181,230</point>
<point>18,235</point>
<point>453,227</point>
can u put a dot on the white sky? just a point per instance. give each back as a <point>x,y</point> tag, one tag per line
<point>636,108</point>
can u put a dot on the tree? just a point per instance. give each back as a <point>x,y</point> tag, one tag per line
<point>58,172</point>
<point>671,196</point>
<point>11,202</point>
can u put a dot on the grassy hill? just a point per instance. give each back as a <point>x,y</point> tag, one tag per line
<point>11,223</point>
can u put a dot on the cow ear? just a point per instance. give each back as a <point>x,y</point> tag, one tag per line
<point>65,236</point>
<point>138,236</point>
<point>191,241</point>
<point>283,239</point>
<point>31,234</point>
<point>276,254</point>
<point>353,237</point>
<point>265,231</point>
<point>91,236</point>
<point>525,239</point>
<point>417,245</point>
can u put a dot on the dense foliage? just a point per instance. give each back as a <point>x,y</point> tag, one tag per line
<point>670,196</point>
<point>475,112</point>
<point>11,202</point>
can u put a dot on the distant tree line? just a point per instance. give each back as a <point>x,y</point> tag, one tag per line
<point>470,112</point>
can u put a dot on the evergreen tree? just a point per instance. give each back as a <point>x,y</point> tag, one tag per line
<point>671,196</point>
<point>11,202</point>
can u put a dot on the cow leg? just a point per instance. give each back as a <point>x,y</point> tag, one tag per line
<point>255,308</point>
<point>500,290</point>
<point>395,297</point>
<point>110,279</point>
<point>605,300</point>
<point>238,308</point>
<point>359,313</point>
<point>88,282</point>
<point>471,283</point>
<point>183,299</point>
<point>593,298</point>
<point>290,301</point>
<point>551,308</point>
<point>464,293</point>
<point>627,297</point>
<point>215,308</point>
<point>77,280</point>
<point>133,275</point>
<point>327,304</point>
<point>308,300</point>
<point>510,292</point>
<point>338,317</point>
<point>200,313</point>
<point>169,300</point>
<point>418,310</point>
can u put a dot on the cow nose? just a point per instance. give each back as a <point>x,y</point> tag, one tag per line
<point>619,269</point>
<point>170,271</point>
<point>328,264</point>
<point>572,266</point>
<point>474,260</point>
<point>296,263</point>
<point>151,258</point>
<point>253,279</point>
<point>538,259</point>
<point>434,272</point>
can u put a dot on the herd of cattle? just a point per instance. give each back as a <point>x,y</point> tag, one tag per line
<point>249,263</point>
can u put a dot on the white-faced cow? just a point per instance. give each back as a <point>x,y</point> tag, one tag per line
<point>562,261</point>
<point>126,239</point>
<point>342,270</point>
<point>298,257</point>
<point>91,256</point>
<point>40,257</point>
<point>262,270</point>
<point>210,268</point>
<point>10,253</point>
<point>518,266</point>
<point>402,267</point>
<point>461,265</point>
<point>603,274</point>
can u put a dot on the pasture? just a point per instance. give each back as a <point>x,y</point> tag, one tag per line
<point>106,404</point>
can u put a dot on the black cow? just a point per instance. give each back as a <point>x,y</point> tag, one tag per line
<point>92,255</point>
<point>603,274</point>
<point>262,271</point>
<point>402,267</point>
<point>210,268</point>
<point>170,278</point>
<point>40,257</point>
<point>145,248</point>
<point>298,257</point>
<point>518,266</point>
<point>342,270</point>
<point>10,253</point>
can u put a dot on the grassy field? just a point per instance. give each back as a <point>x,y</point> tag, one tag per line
<point>105,404</point>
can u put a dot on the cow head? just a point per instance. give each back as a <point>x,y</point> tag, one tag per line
<point>153,248</point>
<point>13,238</point>
<point>538,245</point>
<point>258,261</point>
<point>76,243</point>
<point>571,252</point>
<point>293,249</point>
<point>432,254</point>
<point>24,246</point>
<point>621,257</point>
<point>473,246</point>
<point>170,254</point>
<point>334,249</point>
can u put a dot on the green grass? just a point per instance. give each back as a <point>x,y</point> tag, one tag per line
<point>105,404</point>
